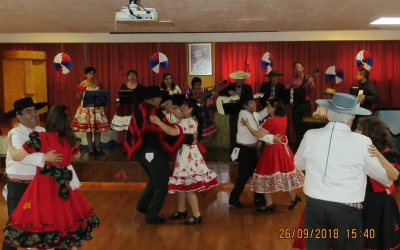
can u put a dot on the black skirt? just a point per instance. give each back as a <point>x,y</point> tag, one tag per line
<point>380,216</point>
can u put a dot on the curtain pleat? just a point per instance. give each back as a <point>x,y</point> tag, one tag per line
<point>110,58</point>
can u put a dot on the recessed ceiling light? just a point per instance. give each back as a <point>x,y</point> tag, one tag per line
<point>387,20</point>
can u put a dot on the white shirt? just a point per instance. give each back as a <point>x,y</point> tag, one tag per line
<point>243,135</point>
<point>349,163</point>
<point>26,168</point>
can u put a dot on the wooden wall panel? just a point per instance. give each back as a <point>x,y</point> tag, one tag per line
<point>23,73</point>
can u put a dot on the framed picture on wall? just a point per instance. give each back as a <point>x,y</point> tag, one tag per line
<point>200,59</point>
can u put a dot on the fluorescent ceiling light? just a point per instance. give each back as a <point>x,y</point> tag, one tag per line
<point>387,20</point>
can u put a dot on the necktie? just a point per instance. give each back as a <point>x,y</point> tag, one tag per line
<point>239,91</point>
<point>273,91</point>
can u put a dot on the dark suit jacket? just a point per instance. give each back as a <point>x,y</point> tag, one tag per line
<point>266,89</point>
<point>232,86</point>
<point>371,94</point>
<point>246,90</point>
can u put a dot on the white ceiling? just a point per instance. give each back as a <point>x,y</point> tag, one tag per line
<point>195,16</point>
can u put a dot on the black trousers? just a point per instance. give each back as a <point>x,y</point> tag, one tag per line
<point>233,120</point>
<point>298,112</point>
<point>15,191</point>
<point>325,218</point>
<point>157,168</point>
<point>247,160</point>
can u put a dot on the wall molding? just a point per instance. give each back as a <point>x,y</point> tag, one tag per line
<point>348,35</point>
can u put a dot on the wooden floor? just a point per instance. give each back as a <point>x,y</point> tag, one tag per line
<point>222,228</point>
<point>106,168</point>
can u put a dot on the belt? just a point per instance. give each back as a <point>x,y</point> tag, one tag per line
<point>19,181</point>
<point>246,145</point>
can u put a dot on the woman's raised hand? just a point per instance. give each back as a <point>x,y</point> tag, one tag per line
<point>373,151</point>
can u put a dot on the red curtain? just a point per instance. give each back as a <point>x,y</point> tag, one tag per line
<point>230,57</point>
<point>109,58</point>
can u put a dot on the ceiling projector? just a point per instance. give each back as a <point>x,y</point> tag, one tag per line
<point>136,13</point>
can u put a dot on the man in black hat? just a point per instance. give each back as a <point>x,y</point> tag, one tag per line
<point>20,173</point>
<point>246,145</point>
<point>272,89</point>
<point>153,151</point>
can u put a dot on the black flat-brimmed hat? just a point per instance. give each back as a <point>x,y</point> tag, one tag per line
<point>274,73</point>
<point>21,104</point>
<point>151,92</point>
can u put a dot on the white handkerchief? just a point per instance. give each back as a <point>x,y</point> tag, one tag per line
<point>235,153</point>
<point>5,191</point>
<point>74,183</point>
<point>149,156</point>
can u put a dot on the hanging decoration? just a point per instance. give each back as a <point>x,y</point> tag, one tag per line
<point>63,63</point>
<point>267,62</point>
<point>157,61</point>
<point>121,174</point>
<point>121,71</point>
<point>334,75</point>
<point>364,60</point>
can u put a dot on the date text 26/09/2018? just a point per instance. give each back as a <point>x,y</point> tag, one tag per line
<point>323,233</point>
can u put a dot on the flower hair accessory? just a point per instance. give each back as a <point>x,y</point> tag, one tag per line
<point>275,103</point>
<point>67,111</point>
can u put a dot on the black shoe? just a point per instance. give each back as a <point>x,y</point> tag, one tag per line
<point>294,203</point>
<point>236,204</point>
<point>259,202</point>
<point>143,211</point>
<point>156,221</point>
<point>194,221</point>
<point>178,215</point>
<point>98,151</point>
<point>265,209</point>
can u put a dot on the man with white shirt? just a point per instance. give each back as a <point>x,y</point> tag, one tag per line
<point>337,162</point>
<point>246,144</point>
<point>19,174</point>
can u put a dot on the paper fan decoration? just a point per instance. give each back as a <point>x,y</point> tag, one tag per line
<point>364,60</point>
<point>267,62</point>
<point>334,75</point>
<point>157,61</point>
<point>63,63</point>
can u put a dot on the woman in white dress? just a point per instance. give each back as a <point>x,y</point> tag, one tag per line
<point>190,173</point>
